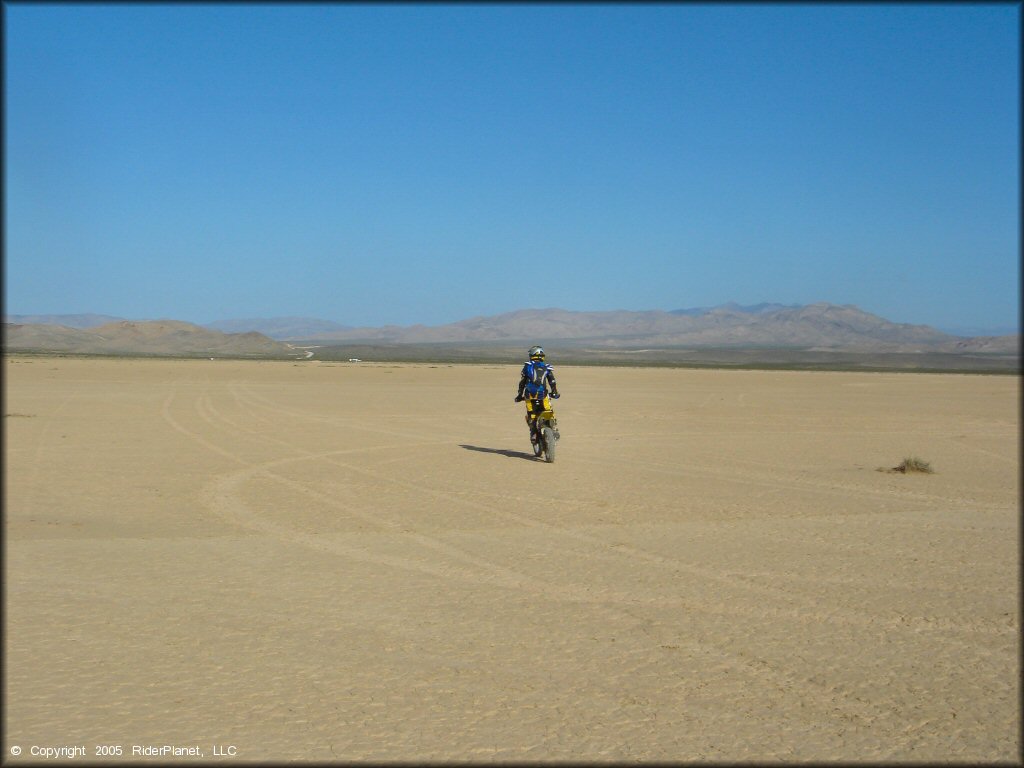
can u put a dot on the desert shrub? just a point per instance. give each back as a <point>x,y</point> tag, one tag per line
<point>911,464</point>
<point>914,464</point>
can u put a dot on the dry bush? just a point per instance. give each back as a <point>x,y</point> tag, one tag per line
<point>911,464</point>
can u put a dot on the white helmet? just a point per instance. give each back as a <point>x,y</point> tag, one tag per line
<point>536,353</point>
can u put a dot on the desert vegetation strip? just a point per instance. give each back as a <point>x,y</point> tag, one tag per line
<point>718,358</point>
<point>729,359</point>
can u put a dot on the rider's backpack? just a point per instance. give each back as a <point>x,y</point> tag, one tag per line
<point>535,371</point>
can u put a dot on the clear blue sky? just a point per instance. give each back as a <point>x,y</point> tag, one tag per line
<point>374,164</point>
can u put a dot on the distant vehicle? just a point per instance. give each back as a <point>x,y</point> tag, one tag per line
<point>354,360</point>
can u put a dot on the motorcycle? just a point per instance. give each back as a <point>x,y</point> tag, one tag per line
<point>543,427</point>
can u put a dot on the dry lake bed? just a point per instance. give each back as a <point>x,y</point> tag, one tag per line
<point>309,561</point>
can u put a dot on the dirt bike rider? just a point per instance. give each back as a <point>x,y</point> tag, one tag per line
<point>537,376</point>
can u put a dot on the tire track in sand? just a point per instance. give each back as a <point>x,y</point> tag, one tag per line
<point>223,494</point>
<point>38,461</point>
<point>491,571</point>
<point>797,608</point>
<point>443,495</point>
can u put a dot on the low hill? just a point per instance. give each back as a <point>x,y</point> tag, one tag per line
<point>158,338</point>
<point>87,320</point>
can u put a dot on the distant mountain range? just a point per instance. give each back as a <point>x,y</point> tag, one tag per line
<point>71,321</point>
<point>820,326</point>
<point>814,326</point>
<point>751,309</point>
<point>280,327</point>
<point>158,338</point>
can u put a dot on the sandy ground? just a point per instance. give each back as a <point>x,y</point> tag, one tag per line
<point>363,562</point>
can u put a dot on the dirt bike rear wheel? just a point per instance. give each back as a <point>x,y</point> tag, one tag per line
<point>547,437</point>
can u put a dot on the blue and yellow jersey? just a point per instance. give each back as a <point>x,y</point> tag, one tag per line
<point>537,379</point>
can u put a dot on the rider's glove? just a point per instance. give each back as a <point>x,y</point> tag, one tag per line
<point>519,398</point>
<point>555,395</point>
